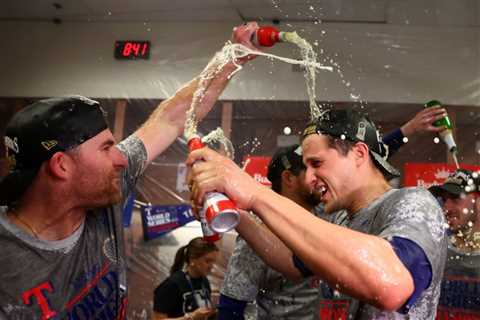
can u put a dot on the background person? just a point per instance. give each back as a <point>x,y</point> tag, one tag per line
<point>249,279</point>
<point>186,293</point>
<point>460,195</point>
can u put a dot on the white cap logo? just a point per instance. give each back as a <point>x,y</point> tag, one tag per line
<point>12,144</point>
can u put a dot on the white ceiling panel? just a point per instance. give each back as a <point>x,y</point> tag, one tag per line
<point>426,13</point>
<point>296,12</point>
<point>113,10</point>
<point>170,15</point>
<point>146,6</point>
<point>41,9</point>
<point>415,12</point>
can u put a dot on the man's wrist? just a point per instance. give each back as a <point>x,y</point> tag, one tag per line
<point>256,197</point>
<point>188,316</point>
<point>262,198</point>
<point>407,130</point>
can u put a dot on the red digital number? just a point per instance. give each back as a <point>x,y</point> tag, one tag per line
<point>127,49</point>
<point>132,49</point>
<point>136,49</point>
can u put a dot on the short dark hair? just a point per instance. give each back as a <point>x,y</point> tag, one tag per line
<point>285,158</point>
<point>343,146</point>
<point>356,127</point>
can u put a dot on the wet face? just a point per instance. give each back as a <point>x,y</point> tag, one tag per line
<point>203,265</point>
<point>98,167</point>
<point>329,172</point>
<point>460,211</point>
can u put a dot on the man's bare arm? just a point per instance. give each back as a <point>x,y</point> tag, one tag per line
<point>167,121</point>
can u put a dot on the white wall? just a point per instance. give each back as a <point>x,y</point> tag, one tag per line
<point>383,63</point>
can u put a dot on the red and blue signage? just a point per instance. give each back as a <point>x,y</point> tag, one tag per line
<point>158,220</point>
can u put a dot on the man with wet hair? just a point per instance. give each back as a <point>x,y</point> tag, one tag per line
<point>61,233</point>
<point>383,259</point>
<point>460,197</point>
<point>248,277</point>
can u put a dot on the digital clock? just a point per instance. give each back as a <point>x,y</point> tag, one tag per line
<point>132,49</point>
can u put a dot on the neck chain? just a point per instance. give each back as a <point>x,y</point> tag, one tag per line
<point>32,230</point>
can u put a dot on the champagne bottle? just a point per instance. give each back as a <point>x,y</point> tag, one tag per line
<point>267,36</point>
<point>219,214</point>
<point>446,135</point>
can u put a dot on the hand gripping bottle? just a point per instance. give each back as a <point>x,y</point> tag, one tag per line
<point>445,122</point>
<point>219,214</point>
<point>267,36</point>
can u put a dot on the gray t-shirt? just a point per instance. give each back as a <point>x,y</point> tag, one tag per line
<point>460,296</point>
<point>80,277</point>
<point>410,213</point>
<point>249,279</point>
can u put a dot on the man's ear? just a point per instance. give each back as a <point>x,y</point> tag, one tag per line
<point>287,178</point>
<point>360,152</point>
<point>60,165</point>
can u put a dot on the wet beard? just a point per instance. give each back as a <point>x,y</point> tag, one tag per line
<point>102,193</point>
<point>115,193</point>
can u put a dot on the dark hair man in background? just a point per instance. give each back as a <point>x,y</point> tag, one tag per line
<point>249,279</point>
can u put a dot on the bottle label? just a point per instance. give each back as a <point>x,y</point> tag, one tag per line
<point>207,231</point>
<point>220,212</point>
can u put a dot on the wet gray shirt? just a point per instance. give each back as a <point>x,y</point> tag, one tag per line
<point>249,279</point>
<point>80,277</point>
<point>410,213</point>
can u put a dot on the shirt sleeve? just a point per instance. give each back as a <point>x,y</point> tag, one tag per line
<point>304,270</point>
<point>416,262</point>
<point>245,271</point>
<point>394,141</point>
<point>134,150</point>
<point>166,298</point>
<point>416,218</point>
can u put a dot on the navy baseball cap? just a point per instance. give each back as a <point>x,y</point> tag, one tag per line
<point>38,131</point>
<point>354,126</point>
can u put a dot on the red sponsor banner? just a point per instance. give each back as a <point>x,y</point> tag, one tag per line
<point>257,167</point>
<point>454,314</point>
<point>334,309</point>
<point>430,174</point>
